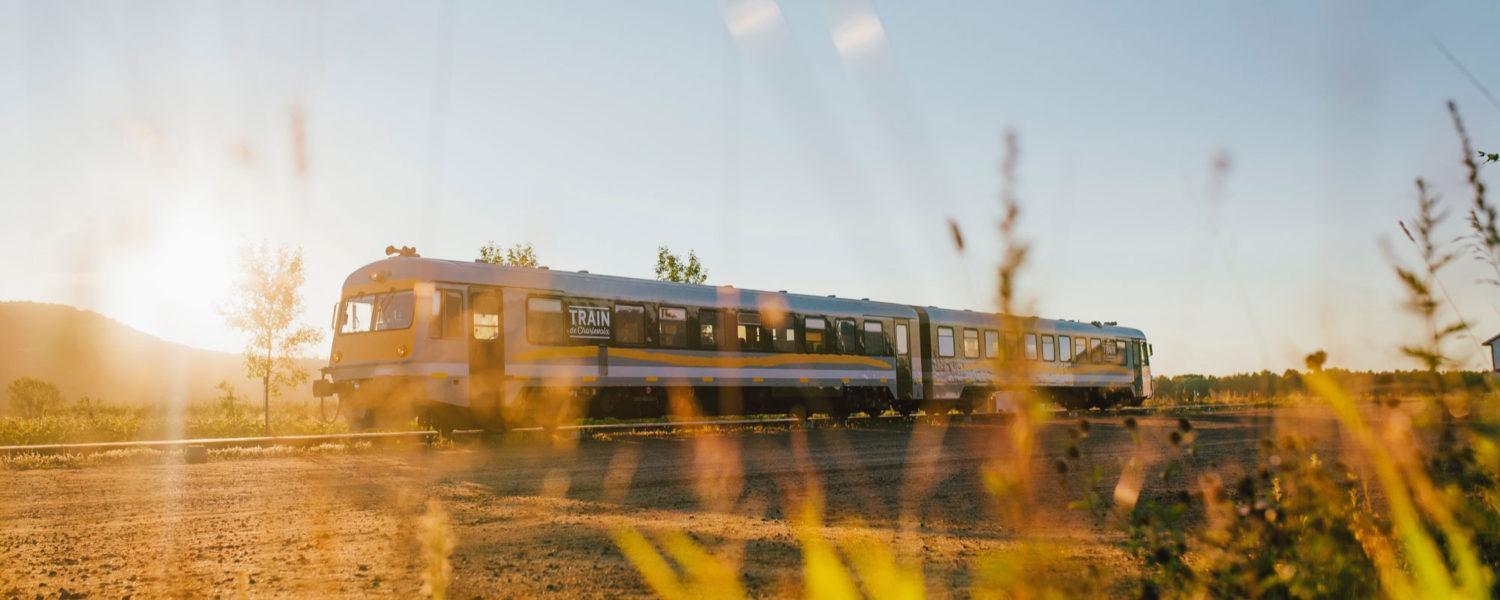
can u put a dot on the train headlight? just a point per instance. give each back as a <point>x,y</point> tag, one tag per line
<point>338,356</point>
<point>401,351</point>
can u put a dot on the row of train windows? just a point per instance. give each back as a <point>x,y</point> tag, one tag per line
<point>1044,347</point>
<point>551,321</point>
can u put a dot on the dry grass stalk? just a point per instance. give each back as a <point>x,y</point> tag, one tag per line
<point>436,537</point>
<point>1008,475</point>
<point>1483,215</point>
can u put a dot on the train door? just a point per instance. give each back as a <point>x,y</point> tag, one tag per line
<point>486,356</point>
<point>924,357</point>
<point>1135,358</point>
<point>1143,368</point>
<point>903,359</point>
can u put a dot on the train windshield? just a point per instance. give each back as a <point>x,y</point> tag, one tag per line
<point>376,312</point>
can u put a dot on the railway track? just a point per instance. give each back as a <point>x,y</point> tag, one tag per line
<point>422,436</point>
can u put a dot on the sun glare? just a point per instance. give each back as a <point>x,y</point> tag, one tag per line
<point>173,285</point>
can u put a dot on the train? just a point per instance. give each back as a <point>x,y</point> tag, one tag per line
<point>472,344</point>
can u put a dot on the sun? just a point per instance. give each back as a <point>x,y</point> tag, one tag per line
<point>173,283</point>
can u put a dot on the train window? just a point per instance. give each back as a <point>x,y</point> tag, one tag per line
<point>1145,353</point>
<point>814,335</point>
<point>447,314</point>
<point>379,312</point>
<point>1012,346</point>
<point>545,323</point>
<point>848,336</point>
<point>1064,348</point>
<point>971,343</point>
<point>630,324</point>
<point>1120,351</point>
<point>672,322</point>
<point>435,322</point>
<point>751,336</point>
<point>1109,350</point>
<point>783,338</point>
<point>354,314</point>
<point>486,317</point>
<point>1095,354</point>
<point>1049,350</point>
<point>945,342</point>
<point>875,342</point>
<point>453,313</point>
<point>1031,346</point>
<point>708,328</point>
<point>1080,349</point>
<point>991,343</point>
<point>901,344</point>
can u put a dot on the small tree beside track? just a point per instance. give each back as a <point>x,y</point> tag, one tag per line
<point>267,304</point>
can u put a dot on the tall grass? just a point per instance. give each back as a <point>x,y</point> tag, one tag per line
<point>1410,520</point>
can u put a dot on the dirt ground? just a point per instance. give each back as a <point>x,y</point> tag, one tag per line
<point>535,517</point>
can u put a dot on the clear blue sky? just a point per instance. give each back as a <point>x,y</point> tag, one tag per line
<point>817,147</point>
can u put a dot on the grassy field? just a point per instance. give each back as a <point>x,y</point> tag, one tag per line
<point>81,423</point>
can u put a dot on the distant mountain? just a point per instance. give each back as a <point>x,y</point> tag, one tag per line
<point>88,354</point>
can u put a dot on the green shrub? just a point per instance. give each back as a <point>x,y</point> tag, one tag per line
<point>31,398</point>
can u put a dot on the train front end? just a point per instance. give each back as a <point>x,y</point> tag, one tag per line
<point>389,364</point>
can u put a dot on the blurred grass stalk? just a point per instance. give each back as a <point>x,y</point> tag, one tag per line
<point>1419,546</point>
<point>438,541</point>
<point>1407,487</point>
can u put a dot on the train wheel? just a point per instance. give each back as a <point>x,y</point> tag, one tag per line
<point>495,425</point>
<point>431,418</point>
<point>878,404</point>
<point>840,412</point>
<point>798,412</point>
<point>1102,400</point>
<point>906,409</point>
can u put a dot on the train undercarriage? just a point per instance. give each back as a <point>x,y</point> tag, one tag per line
<point>394,405</point>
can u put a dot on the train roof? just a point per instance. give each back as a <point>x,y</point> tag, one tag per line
<point>591,284</point>
<point>986,319</point>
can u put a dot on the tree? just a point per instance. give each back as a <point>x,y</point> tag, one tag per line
<point>519,255</point>
<point>228,401</point>
<point>1315,361</point>
<point>671,267</point>
<point>266,307</point>
<point>32,397</point>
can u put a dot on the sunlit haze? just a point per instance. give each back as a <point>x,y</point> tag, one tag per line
<point>813,147</point>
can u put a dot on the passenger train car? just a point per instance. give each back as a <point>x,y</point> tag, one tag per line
<point>476,344</point>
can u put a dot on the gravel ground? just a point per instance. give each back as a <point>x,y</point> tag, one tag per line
<point>534,518</point>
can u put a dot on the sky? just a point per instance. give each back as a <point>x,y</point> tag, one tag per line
<point>1223,176</point>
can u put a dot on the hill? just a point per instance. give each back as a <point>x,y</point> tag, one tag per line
<point>88,354</point>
